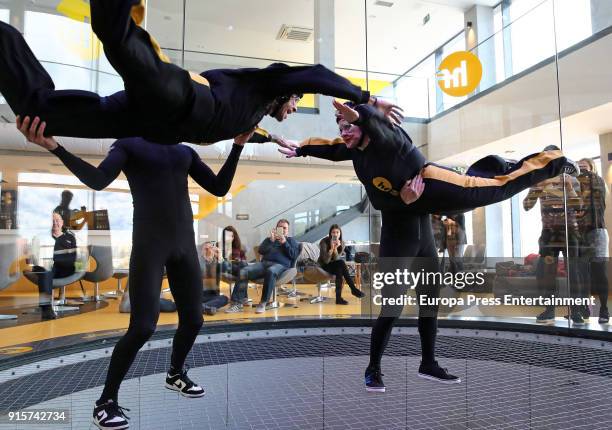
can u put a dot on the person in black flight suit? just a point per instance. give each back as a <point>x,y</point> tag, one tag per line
<point>162,102</point>
<point>406,189</point>
<point>162,236</point>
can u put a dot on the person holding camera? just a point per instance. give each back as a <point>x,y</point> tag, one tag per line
<point>332,250</point>
<point>278,253</point>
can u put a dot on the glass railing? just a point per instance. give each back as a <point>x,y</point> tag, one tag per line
<point>316,209</point>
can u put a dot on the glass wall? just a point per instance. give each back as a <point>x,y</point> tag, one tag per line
<point>553,89</point>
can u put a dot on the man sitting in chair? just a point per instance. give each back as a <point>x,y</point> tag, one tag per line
<point>278,254</point>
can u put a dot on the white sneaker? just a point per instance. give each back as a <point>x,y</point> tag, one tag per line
<point>261,308</point>
<point>234,309</point>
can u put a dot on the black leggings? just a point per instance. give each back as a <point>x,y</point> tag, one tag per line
<point>338,268</point>
<point>153,248</point>
<point>406,243</point>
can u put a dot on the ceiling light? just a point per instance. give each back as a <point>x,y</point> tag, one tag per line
<point>281,186</point>
<point>469,24</point>
<point>230,27</point>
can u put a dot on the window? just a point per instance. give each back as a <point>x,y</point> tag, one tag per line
<point>498,40</point>
<point>529,48</point>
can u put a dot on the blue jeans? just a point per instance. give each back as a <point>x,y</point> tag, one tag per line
<point>241,285</point>
<point>269,272</point>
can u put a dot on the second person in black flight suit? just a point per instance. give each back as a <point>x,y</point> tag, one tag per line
<point>162,236</point>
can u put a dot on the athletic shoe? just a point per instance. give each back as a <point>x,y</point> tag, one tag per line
<point>577,319</point>
<point>604,316</point>
<point>261,308</point>
<point>341,301</point>
<point>436,373</point>
<point>185,386</point>
<point>209,310</point>
<point>234,309</point>
<point>110,415</point>
<point>373,381</point>
<point>546,317</point>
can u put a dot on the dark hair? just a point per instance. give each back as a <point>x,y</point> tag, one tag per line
<point>283,220</point>
<point>67,193</point>
<point>334,227</point>
<point>236,243</point>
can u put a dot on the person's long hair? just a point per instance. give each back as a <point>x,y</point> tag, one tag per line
<point>332,228</point>
<point>236,244</point>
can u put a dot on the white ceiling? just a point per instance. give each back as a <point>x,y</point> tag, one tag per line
<point>396,37</point>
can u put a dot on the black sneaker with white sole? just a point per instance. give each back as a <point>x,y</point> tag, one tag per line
<point>186,387</point>
<point>109,415</point>
<point>436,373</point>
<point>373,381</point>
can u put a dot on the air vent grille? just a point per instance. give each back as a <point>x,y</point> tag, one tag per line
<point>297,34</point>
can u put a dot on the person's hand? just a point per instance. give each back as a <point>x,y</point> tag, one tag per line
<point>243,138</point>
<point>348,113</point>
<point>285,143</point>
<point>412,189</point>
<point>34,132</point>
<point>288,153</point>
<point>273,235</point>
<point>393,112</point>
<point>282,239</point>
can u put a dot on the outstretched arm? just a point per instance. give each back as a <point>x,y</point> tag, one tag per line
<point>315,79</point>
<point>328,149</point>
<point>96,178</point>
<point>219,184</point>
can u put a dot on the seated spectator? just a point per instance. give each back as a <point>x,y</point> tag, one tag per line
<point>210,262</point>
<point>234,262</point>
<point>64,257</point>
<point>279,253</point>
<point>331,260</point>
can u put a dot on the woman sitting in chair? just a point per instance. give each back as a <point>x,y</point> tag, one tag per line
<point>234,261</point>
<point>330,259</point>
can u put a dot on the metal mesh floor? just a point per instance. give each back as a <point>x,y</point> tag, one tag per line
<point>316,382</point>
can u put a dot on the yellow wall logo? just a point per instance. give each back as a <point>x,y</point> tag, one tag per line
<point>459,74</point>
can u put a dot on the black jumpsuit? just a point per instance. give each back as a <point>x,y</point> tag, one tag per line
<point>407,240</point>
<point>162,236</point>
<point>161,101</point>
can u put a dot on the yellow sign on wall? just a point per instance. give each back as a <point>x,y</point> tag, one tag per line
<point>460,73</point>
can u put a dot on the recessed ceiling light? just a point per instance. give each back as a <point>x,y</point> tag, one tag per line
<point>281,186</point>
<point>230,27</point>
